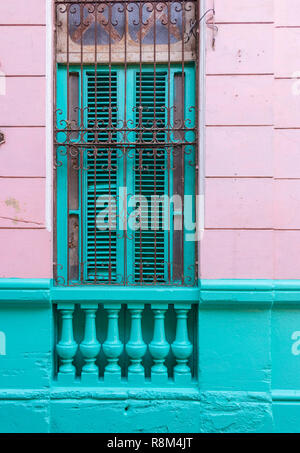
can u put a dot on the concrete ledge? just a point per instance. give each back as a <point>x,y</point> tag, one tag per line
<point>244,293</point>
<point>124,294</point>
<point>20,291</point>
<point>286,395</point>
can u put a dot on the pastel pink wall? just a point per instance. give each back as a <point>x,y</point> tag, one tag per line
<point>252,200</point>
<point>25,244</point>
<point>252,203</point>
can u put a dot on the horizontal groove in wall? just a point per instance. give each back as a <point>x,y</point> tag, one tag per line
<point>251,229</point>
<point>286,179</point>
<point>287,26</point>
<point>286,128</point>
<point>18,76</point>
<point>22,25</point>
<point>239,125</point>
<point>282,178</point>
<point>241,74</point>
<point>22,177</point>
<point>18,126</point>
<point>241,23</point>
<point>42,227</point>
<point>240,177</point>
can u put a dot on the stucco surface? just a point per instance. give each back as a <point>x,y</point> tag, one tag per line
<point>251,142</point>
<point>248,370</point>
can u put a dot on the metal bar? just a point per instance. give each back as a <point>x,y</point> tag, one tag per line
<point>183,125</point>
<point>168,213</point>
<point>197,137</point>
<point>110,140</point>
<point>140,138</point>
<point>55,149</point>
<point>95,148</point>
<point>154,139</point>
<point>68,148</point>
<point>82,152</point>
<point>124,149</point>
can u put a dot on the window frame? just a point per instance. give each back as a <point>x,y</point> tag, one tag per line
<point>62,177</point>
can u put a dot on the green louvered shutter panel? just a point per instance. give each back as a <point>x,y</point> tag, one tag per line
<point>102,259</point>
<point>150,176</point>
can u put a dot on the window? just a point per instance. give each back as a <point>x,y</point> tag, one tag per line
<point>126,140</point>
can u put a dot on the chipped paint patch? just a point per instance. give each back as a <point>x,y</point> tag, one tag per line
<point>12,202</point>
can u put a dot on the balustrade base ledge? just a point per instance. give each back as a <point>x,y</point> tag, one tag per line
<point>176,383</point>
<point>209,293</point>
<point>89,378</point>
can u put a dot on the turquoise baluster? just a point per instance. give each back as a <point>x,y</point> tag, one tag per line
<point>90,346</point>
<point>67,347</point>
<point>182,348</point>
<point>159,347</point>
<point>112,347</point>
<point>136,348</point>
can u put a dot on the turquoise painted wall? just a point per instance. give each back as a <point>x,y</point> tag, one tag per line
<point>249,363</point>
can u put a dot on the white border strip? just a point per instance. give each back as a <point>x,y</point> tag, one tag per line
<point>202,140</point>
<point>49,118</point>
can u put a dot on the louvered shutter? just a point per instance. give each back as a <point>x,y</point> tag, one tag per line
<point>150,176</point>
<point>101,164</point>
<point>149,253</point>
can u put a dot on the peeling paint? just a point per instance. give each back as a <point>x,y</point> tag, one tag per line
<point>12,202</point>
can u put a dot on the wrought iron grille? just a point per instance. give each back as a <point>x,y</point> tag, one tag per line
<point>125,134</point>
